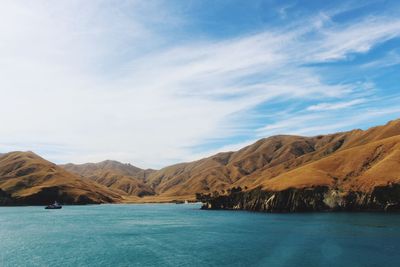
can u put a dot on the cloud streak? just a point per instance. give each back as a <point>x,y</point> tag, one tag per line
<point>337,105</point>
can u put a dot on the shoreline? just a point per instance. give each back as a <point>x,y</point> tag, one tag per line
<point>384,198</point>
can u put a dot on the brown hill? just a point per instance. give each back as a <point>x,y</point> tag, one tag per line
<point>282,162</point>
<point>27,178</point>
<point>358,168</point>
<point>124,178</point>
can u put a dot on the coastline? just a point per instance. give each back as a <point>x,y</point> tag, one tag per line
<point>10,202</point>
<point>312,199</point>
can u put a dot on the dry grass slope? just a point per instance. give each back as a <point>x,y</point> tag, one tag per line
<point>30,179</point>
<point>356,159</point>
<point>126,179</point>
<point>348,161</point>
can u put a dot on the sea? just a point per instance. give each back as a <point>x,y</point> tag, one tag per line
<point>185,235</point>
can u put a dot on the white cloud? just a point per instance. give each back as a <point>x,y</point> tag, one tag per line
<point>79,82</point>
<point>337,105</point>
<point>323,123</point>
<point>338,41</point>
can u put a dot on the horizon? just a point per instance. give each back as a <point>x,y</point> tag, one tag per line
<point>176,163</point>
<point>163,82</point>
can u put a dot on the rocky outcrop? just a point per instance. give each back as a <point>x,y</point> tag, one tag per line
<point>320,198</point>
<point>5,199</point>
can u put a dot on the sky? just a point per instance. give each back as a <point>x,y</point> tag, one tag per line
<point>158,82</point>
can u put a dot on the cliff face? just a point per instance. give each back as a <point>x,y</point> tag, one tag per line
<point>5,199</point>
<point>320,198</point>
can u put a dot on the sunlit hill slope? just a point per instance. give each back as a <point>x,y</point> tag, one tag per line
<point>279,173</point>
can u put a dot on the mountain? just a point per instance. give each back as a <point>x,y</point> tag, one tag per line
<point>269,163</point>
<point>354,170</point>
<point>27,179</point>
<point>124,178</point>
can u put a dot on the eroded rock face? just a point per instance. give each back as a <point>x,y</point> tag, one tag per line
<point>5,199</point>
<point>320,198</point>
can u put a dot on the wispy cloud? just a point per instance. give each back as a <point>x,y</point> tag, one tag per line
<point>339,41</point>
<point>323,121</point>
<point>114,84</point>
<point>335,105</point>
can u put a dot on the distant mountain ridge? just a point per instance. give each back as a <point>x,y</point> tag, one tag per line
<point>328,168</point>
<point>125,178</point>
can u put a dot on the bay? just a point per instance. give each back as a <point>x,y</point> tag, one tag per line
<point>184,235</point>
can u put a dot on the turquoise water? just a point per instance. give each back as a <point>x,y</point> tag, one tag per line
<point>183,235</point>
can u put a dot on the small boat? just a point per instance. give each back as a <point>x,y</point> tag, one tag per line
<point>54,206</point>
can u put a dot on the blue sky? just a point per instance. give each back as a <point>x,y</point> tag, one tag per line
<point>159,82</point>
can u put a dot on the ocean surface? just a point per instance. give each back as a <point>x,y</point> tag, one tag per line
<point>184,235</point>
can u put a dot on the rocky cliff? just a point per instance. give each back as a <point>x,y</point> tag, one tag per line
<point>320,198</point>
<point>5,199</point>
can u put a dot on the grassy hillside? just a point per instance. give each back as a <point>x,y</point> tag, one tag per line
<point>29,179</point>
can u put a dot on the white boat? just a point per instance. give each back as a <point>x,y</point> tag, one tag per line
<point>54,206</point>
